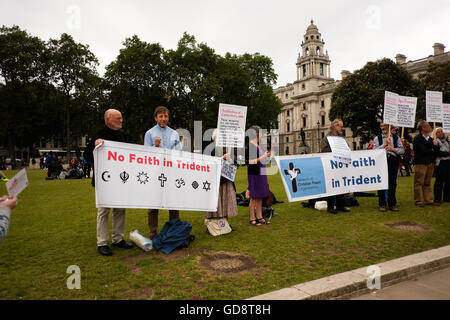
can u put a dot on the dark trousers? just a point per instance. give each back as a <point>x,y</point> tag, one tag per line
<point>337,201</point>
<point>390,199</point>
<point>442,183</point>
<point>153,220</point>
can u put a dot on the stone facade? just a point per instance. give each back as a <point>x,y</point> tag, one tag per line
<point>307,101</point>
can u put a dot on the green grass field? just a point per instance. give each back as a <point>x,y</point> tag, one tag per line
<point>54,227</point>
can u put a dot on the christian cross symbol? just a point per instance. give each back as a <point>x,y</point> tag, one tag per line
<point>163,179</point>
<point>293,173</point>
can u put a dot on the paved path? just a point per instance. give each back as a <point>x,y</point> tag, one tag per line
<point>432,286</point>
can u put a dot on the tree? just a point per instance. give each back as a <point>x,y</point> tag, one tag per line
<point>73,72</point>
<point>436,78</point>
<point>24,89</point>
<point>358,100</point>
<point>137,83</point>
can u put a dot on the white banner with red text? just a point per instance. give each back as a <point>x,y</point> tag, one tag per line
<point>137,176</point>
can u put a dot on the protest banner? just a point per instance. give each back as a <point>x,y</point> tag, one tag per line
<point>446,117</point>
<point>231,126</point>
<point>136,176</point>
<point>390,108</point>
<point>314,176</point>
<point>434,106</point>
<point>17,184</point>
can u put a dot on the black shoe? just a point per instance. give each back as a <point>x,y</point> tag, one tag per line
<point>332,211</point>
<point>343,209</point>
<point>123,244</point>
<point>105,251</point>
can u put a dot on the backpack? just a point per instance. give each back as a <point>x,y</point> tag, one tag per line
<point>174,234</point>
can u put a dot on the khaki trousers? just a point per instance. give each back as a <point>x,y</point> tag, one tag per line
<point>118,224</point>
<point>153,220</point>
<point>422,183</point>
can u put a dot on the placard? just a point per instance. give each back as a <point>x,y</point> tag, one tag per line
<point>231,126</point>
<point>434,106</point>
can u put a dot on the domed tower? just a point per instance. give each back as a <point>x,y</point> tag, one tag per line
<point>313,62</point>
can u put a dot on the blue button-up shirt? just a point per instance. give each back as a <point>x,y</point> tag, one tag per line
<point>170,138</point>
<point>398,151</point>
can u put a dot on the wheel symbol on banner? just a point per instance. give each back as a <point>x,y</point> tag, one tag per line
<point>142,177</point>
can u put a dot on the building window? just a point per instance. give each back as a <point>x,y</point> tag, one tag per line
<point>304,70</point>
<point>304,106</point>
<point>288,127</point>
<point>323,135</point>
<point>321,69</point>
<point>304,122</point>
<point>318,51</point>
<point>288,113</point>
<point>303,86</point>
<point>323,121</point>
<point>287,95</point>
<point>322,103</point>
<point>287,139</point>
<point>354,145</point>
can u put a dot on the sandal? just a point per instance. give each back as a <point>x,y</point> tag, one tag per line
<point>263,221</point>
<point>255,222</point>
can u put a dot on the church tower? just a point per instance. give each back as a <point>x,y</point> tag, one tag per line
<point>312,61</point>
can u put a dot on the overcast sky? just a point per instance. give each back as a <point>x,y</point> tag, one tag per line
<point>354,31</point>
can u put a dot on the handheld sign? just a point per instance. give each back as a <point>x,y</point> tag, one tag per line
<point>17,184</point>
<point>231,126</point>
<point>406,111</point>
<point>390,108</point>
<point>446,117</point>
<point>434,106</point>
<point>340,150</point>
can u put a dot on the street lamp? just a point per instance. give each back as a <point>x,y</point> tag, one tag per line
<point>318,134</point>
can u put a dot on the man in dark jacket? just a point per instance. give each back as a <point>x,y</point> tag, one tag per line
<point>111,131</point>
<point>336,129</point>
<point>425,149</point>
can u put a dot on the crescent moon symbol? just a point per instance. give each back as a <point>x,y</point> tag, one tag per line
<point>103,176</point>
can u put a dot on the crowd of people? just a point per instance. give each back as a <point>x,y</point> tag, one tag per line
<point>430,157</point>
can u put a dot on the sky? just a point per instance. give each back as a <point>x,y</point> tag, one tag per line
<point>354,32</point>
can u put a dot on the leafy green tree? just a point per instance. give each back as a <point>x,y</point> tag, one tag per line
<point>358,100</point>
<point>24,90</point>
<point>436,78</point>
<point>73,72</point>
<point>137,83</point>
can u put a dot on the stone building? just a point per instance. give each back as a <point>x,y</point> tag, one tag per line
<point>307,101</point>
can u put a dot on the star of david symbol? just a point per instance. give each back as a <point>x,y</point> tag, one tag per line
<point>206,185</point>
<point>142,177</point>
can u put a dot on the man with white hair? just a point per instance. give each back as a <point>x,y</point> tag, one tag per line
<point>111,131</point>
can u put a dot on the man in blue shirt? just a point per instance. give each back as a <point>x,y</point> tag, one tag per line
<point>394,149</point>
<point>161,136</point>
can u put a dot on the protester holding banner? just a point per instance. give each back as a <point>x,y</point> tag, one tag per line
<point>6,206</point>
<point>335,203</point>
<point>257,177</point>
<point>442,183</point>
<point>227,205</point>
<point>161,136</point>
<point>425,149</point>
<point>394,149</point>
<point>111,131</point>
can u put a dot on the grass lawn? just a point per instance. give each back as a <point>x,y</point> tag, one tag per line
<point>54,227</point>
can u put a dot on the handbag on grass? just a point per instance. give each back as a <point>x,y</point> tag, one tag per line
<point>217,227</point>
